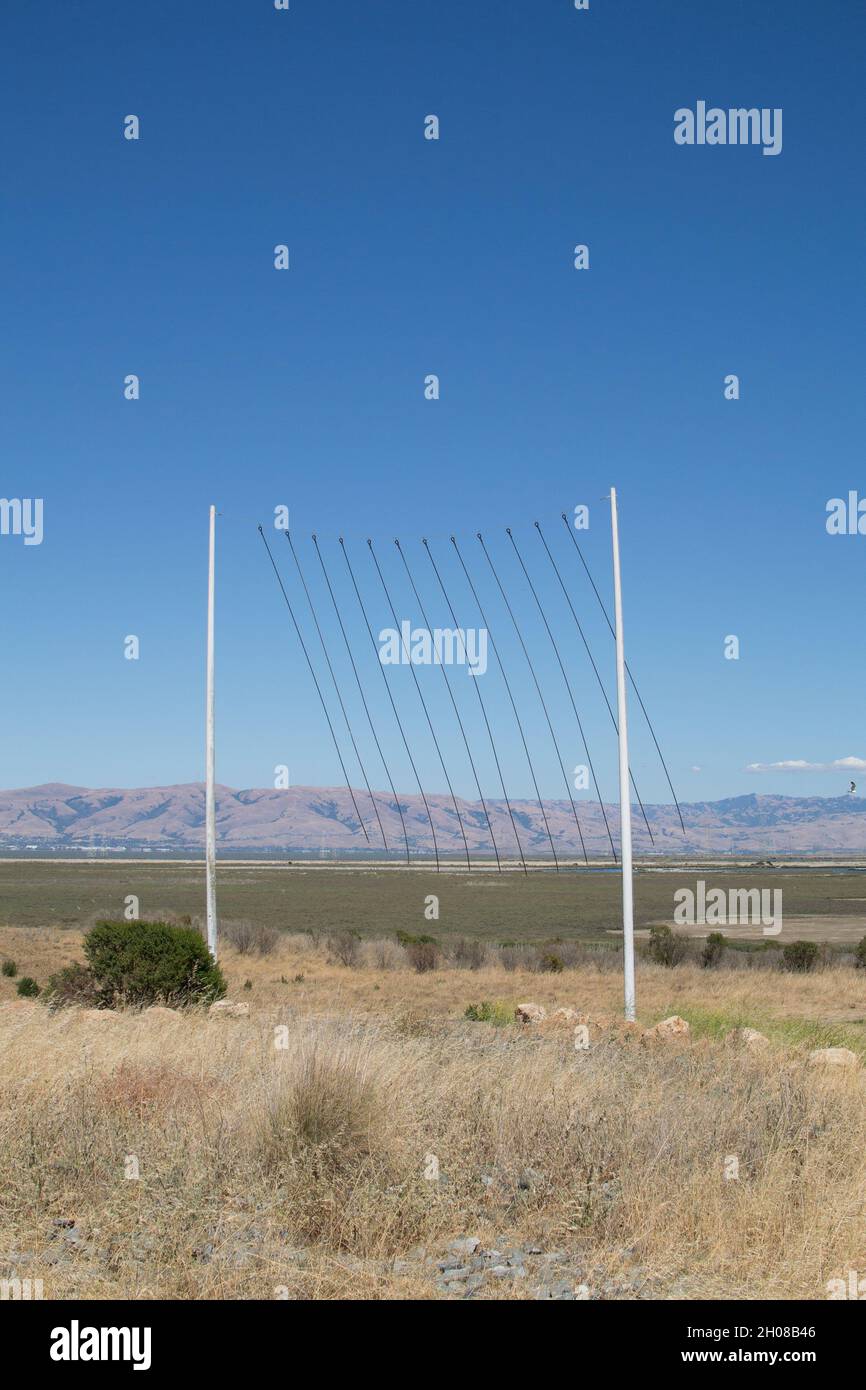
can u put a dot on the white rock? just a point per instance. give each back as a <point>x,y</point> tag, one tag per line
<point>673,1027</point>
<point>749,1037</point>
<point>530,1013</point>
<point>834,1057</point>
<point>225,1008</point>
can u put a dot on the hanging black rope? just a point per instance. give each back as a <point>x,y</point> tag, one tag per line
<point>423,701</point>
<point>315,682</point>
<point>567,686</point>
<point>444,671</point>
<point>511,698</point>
<point>336,686</point>
<point>596,670</point>
<point>363,698</point>
<point>457,626</point>
<point>630,676</point>
<point>529,663</point>
<point>391,698</point>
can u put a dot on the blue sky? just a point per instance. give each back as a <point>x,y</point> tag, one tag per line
<point>410,257</point>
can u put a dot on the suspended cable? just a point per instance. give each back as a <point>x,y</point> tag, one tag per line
<point>391,698</point>
<point>567,686</point>
<point>315,681</point>
<point>483,711</point>
<point>363,698</point>
<point>511,698</point>
<point>444,671</point>
<point>414,673</point>
<point>595,669</point>
<point>336,687</point>
<point>539,691</point>
<point>634,684</point>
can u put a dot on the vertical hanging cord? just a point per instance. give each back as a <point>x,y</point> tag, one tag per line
<point>453,701</point>
<point>596,670</point>
<point>363,697</point>
<point>630,676</point>
<point>391,698</point>
<point>423,703</point>
<point>315,681</point>
<point>567,686</point>
<point>337,688</point>
<point>529,663</point>
<point>513,704</point>
<point>426,546</point>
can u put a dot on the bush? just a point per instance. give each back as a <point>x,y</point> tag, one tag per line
<point>666,947</point>
<point>323,1115</point>
<point>151,962</point>
<point>859,955</point>
<point>713,950</point>
<point>515,957</point>
<point>423,955</point>
<point>485,1012</point>
<point>74,984</point>
<point>467,954</point>
<point>800,955</point>
<point>10,969</point>
<point>28,987</point>
<point>405,938</point>
<point>549,962</point>
<point>345,947</point>
<point>250,938</point>
<point>387,955</point>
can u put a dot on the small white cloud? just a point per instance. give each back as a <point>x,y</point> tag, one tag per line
<point>849,764</point>
<point>696,769</point>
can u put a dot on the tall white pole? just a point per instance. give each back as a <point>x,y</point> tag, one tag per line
<point>624,790</point>
<point>210,807</point>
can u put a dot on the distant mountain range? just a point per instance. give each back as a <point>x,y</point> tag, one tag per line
<point>323,819</point>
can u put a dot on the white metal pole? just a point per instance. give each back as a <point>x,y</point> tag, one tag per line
<point>624,791</point>
<point>210,808</point>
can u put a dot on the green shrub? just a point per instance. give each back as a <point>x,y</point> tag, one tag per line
<point>28,987</point>
<point>151,962</point>
<point>713,950</point>
<point>859,955</point>
<point>487,1012</point>
<point>74,984</point>
<point>800,955</point>
<point>405,938</point>
<point>550,963</point>
<point>9,969</point>
<point>666,947</point>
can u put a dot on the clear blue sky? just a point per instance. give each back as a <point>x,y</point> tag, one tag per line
<point>411,257</point>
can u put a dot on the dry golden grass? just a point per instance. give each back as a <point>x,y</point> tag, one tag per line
<point>285,1154</point>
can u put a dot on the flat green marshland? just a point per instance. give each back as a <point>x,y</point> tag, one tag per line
<point>822,903</point>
